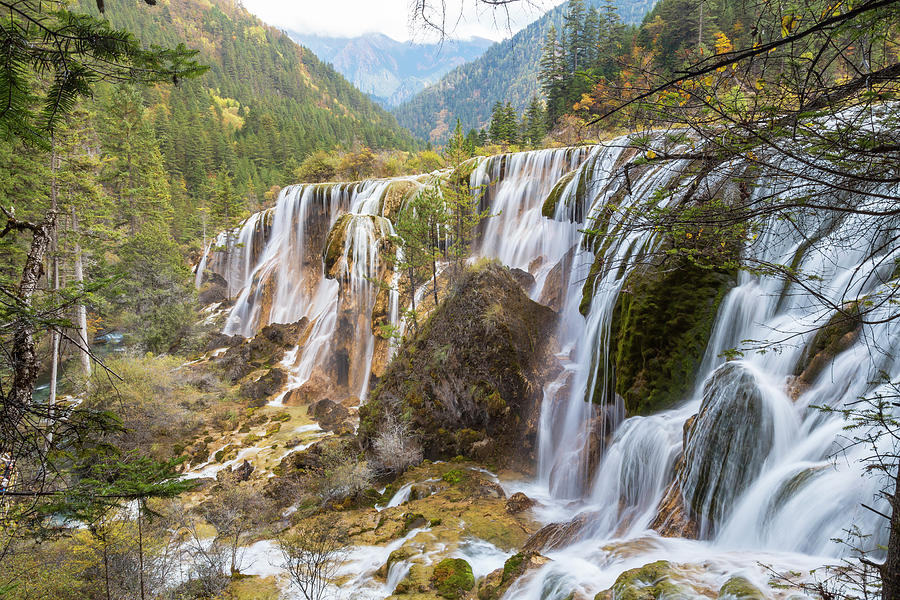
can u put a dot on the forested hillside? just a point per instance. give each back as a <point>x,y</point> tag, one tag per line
<point>508,71</point>
<point>142,177</point>
<point>264,104</point>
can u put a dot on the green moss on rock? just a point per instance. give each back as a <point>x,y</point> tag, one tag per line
<point>660,327</point>
<point>650,582</point>
<point>334,243</point>
<point>740,588</point>
<point>548,209</point>
<point>452,578</point>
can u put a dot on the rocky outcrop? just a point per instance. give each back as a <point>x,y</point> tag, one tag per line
<point>470,381</point>
<point>560,535</point>
<point>263,350</point>
<point>329,415</point>
<point>265,386</point>
<point>727,444</point>
<point>839,333</point>
<point>518,502</point>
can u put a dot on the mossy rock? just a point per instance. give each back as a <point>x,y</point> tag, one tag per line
<point>452,578</point>
<point>396,195</point>
<point>660,327</point>
<point>650,582</point>
<point>838,334</point>
<point>469,381</point>
<point>400,554</point>
<point>740,588</point>
<point>548,208</point>
<point>334,243</point>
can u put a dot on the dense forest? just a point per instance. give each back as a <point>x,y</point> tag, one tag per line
<point>507,71</point>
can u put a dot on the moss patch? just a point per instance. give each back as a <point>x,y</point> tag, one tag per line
<point>548,209</point>
<point>650,582</point>
<point>739,588</point>
<point>660,327</point>
<point>452,578</point>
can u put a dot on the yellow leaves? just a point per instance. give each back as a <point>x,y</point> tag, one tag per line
<point>650,154</point>
<point>760,84</point>
<point>723,44</point>
<point>585,102</point>
<point>834,9</point>
<point>789,24</point>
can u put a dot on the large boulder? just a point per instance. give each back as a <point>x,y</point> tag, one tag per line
<point>726,445</point>
<point>264,350</point>
<point>470,381</point>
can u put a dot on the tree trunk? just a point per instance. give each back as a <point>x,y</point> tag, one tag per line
<point>890,570</point>
<point>54,258</point>
<point>106,568</point>
<point>24,361</point>
<point>80,309</point>
<point>140,550</point>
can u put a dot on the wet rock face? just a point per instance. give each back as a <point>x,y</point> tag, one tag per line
<point>329,415</point>
<point>727,444</point>
<point>265,386</point>
<point>496,583</point>
<point>471,380</point>
<point>214,289</point>
<point>263,350</point>
<point>560,535</point>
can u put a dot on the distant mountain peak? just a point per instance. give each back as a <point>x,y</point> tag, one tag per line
<point>391,71</point>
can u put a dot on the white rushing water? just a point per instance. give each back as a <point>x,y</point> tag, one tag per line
<point>775,494</point>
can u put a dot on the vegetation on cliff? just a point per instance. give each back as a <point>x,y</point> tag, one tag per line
<point>467,383</point>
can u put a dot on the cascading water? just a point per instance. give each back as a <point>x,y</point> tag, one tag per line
<point>758,470</point>
<point>754,466</point>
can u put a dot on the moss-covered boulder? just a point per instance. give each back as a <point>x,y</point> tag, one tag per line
<point>740,588</point>
<point>839,333</point>
<point>650,582</point>
<point>727,444</point>
<point>452,578</point>
<point>469,383</point>
<point>548,209</point>
<point>661,323</point>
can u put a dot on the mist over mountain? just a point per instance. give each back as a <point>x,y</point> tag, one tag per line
<point>389,71</point>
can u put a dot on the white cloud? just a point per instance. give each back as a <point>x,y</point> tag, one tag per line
<point>348,18</point>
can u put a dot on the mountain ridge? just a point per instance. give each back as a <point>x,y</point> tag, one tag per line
<point>508,71</point>
<point>391,71</point>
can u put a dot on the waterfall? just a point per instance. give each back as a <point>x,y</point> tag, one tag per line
<point>744,451</point>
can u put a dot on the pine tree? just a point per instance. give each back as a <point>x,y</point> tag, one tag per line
<point>553,75</point>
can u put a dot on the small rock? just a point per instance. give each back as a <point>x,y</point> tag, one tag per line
<point>243,472</point>
<point>518,502</point>
<point>523,278</point>
<point>328,415</point>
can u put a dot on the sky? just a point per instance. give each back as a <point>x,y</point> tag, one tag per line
<point>350,18</point>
